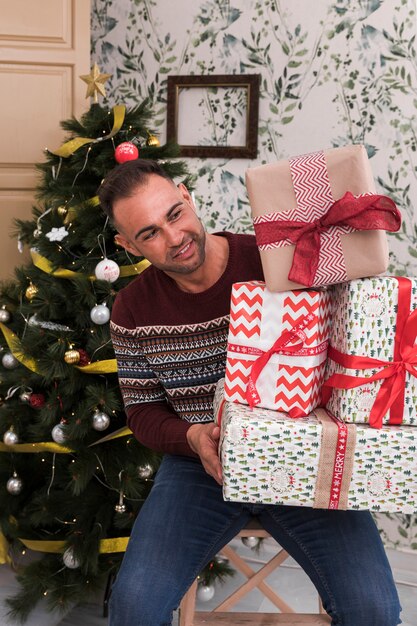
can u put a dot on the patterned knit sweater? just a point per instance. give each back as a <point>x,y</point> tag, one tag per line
<point>170,347</point>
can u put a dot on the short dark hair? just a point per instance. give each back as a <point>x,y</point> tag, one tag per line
<point>124,179</point>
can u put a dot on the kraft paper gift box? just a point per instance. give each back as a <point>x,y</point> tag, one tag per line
<point>318,220</point>
<point>371,374</point>
<point>315,461</point>
<point>277,347</point>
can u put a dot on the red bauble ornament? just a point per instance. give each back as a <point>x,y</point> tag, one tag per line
<point>37,400</point>
<point>84,358</point>
<point>126,151</point>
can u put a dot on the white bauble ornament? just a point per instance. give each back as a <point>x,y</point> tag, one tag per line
<point>58,433</point>
<point>120,508</point>
<point>101,420</point>
<point>9,361</point>
<point>10,438</point>
<point>14,485</point>
<point>145,471</point>
<point>205,592</point>
<point>4,315</point>
<point>107,270</point>
<point>70,560</point>
<point>250,542</point>
<point>100,314</point>
<point>25,396</point>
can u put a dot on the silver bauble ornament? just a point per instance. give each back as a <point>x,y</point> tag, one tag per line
<point>25,396</point>
<point>107,270</point>
<point>70,560</point>
<point>14,485</point>
<point>4,315</point>
<point>145,471</point>
<point>250,542</point>
<point>205,592</point>
<point>100,314</point>
<point>9,361</point>
<point>101,420</point>
<point>58,433</point>
<point>10,438</point>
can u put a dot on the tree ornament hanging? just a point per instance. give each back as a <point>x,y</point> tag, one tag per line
<point>84,357</point>
<point>250,542</point>
<point>25,396</point>
<point>126,151</point>
<point>37,400</point>
<point>10,438</point>
<point>101,420</point>
<point>145,471</point>
<point>205,592</point>
<point>31,291</point>
<point>120,507</point>
<point>152,141</point>
<point>58,433</point>
<point>100,314</point>
<point>4,314</point>
<point>71,356</point>
<point>62,211</point>
<point>70,560</point>
<point>107,270</point>
<point>14,485</point>
<point>9,361</point>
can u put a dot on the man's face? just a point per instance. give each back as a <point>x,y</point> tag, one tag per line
<point>159,222</point>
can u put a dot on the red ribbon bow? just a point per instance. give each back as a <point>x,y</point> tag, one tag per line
<point>393,373</point>
<point>371,212</point>
<point>295,334</point>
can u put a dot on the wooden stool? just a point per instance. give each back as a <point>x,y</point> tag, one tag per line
<point>220,615</point>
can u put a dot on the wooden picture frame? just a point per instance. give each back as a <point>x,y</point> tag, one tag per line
<point>214,116</point>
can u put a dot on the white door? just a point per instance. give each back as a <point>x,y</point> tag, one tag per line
<point>44,47</point>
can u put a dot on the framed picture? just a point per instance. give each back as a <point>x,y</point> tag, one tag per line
<point>214,116</point>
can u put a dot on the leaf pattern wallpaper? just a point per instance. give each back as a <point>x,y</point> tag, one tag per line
<point>332,72</point>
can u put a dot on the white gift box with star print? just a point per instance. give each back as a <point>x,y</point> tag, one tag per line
<point>315,461</point>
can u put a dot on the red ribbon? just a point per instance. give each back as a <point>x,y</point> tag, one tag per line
<point>295,334</point>
<point>390,396</point>
<point>372,212</point>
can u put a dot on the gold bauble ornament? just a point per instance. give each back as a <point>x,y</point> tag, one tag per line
<point>153,141</point>
<point>31,291</point>
<point>62,211</point>
<point>71,356</point>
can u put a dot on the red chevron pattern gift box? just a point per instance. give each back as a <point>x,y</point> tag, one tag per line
<point>318,220</point>
<point>277,347</point>
<point>372,359</point>
<point>315,461</point>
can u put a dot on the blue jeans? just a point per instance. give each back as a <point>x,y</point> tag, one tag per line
<point>184,522</point>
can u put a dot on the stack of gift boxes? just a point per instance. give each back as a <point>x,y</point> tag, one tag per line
<point>318,407</point>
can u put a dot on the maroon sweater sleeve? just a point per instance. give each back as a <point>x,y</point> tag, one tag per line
<point>157,427</point>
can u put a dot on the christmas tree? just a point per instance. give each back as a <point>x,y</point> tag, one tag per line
<point>72,477</point>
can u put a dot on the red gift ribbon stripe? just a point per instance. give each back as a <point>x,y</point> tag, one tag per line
<point>296,334</point>
<point>339,463</point>
<point>252,351</point>
<point>390,396</point>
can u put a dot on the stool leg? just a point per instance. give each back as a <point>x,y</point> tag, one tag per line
<point>187,606</point>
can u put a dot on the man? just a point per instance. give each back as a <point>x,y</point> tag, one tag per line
<point>169,329</point>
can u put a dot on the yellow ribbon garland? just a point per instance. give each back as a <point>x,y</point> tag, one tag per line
<point>43,264</point>
<point>73,145</point>
<point>72,211</point>
<point>15,348</point>
<point>4,550</point>
<point>107,546</point>
<point>118,544</point>
<point>99,367</point>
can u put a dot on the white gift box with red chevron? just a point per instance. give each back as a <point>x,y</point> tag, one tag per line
<point>277,347</point>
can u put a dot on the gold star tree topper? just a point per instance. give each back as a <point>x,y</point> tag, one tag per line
<point>95,82</point>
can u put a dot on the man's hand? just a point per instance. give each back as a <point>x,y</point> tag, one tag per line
<point>204,440</point>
